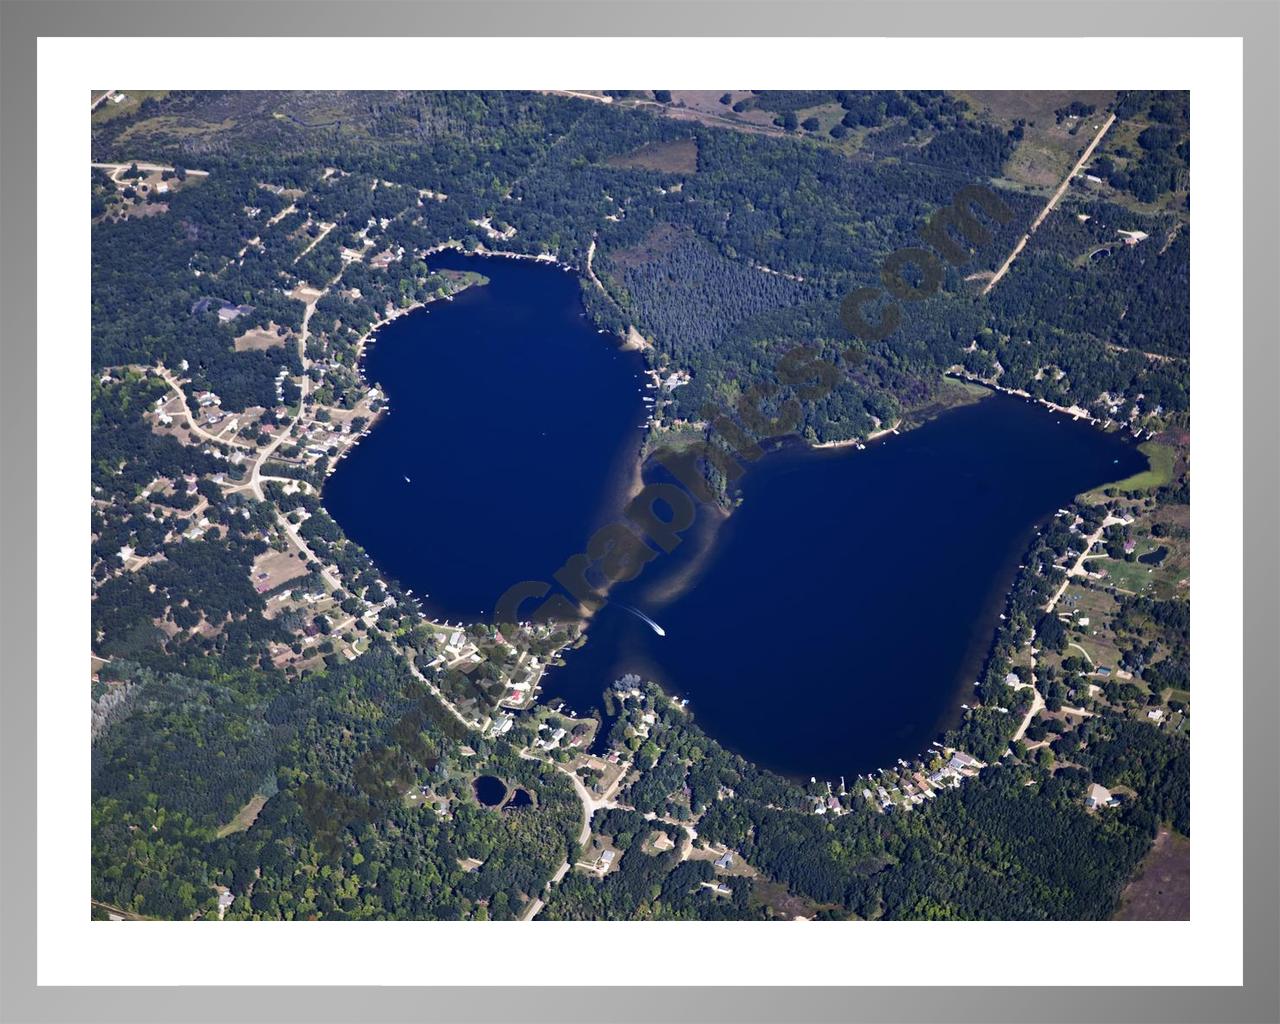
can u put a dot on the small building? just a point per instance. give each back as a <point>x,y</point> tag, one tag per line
<point>1098,796</point>
<point>726,861</point>
<point>228,312</point>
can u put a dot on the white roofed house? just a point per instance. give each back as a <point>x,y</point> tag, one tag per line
<point>1098,796</point>
<point>960,760</point>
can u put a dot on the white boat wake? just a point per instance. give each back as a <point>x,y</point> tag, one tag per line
<point>641,615</point>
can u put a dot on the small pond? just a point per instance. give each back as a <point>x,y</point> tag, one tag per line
<point>490,790</point>
<point>1154,557</point>
<point>520,798</point>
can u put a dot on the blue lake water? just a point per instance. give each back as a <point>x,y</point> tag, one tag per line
<point>829,626</point>
<point>516,424</point>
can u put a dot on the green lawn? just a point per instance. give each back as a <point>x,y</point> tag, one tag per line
<point>107,110</point>
<point>245,817</point>
<point>1131,576</point>
<point>1159,470</point>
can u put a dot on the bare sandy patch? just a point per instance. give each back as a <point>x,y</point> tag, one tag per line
<point>273,568</point>
<point>259,338</point>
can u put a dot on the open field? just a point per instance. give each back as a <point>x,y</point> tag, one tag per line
<point>245,817</point>
<point>679,157</point>
<point>274,568</point>
<point>1133,577</point>
<point>774,895</point>
<point>305,294</point>
<point>1123,150</point>
<point>259,338</point>
<point>1161,891</point>
<point>707,101</point>
<point>1159,471</point>
<point>108,108</point>
<point>1047,148</point>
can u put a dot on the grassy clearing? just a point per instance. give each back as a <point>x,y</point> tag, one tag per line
<point>1159,471</point>
<point>678,157</point>
<point>258,339</point>
<point>950,394</point>
<point>676,439</point>
<point>245,817</point>
<point>775,896</point>
<point>108,110</point>
<point>1133,577</point>
<point>1161,890</point>
<point>1048,149</point>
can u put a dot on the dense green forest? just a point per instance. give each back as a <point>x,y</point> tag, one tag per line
<point>359,778</point>
<point>685,256</point>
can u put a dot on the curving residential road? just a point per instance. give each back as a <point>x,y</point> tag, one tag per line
<point>254,483</point>
<point>196,429</point>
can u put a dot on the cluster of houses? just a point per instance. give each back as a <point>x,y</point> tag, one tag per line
<point>550,741</point>
<point>320,438</point>
<point>913,787</point>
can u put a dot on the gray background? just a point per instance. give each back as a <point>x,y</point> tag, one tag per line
<point>22,22</point>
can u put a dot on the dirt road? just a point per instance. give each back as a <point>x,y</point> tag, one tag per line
<point>1048,207</point>
<point>117,168</point>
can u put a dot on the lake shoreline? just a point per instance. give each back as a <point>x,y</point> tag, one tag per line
<point>841,588</point>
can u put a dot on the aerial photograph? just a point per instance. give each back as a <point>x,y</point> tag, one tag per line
<point>638,505</point>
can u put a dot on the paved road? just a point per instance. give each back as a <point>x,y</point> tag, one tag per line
<point>254,483</point>
<point>330,577</point>
<point>435,692</point>
<point>1078,568</point>
<point>191,420</point>
<point>590,804</point>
